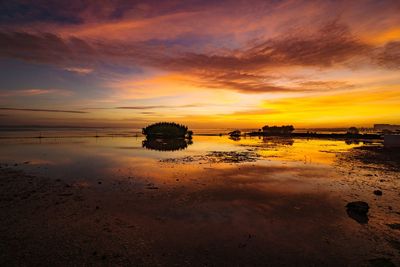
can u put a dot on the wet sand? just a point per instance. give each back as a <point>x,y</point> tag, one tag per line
<point>203,213</point>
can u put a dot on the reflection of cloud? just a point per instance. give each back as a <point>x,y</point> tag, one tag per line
<point>42,110</point>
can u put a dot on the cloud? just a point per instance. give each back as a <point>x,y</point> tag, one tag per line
<point>148,107</point>
<point>159,107</point>
<point>331,44</point>
<point>262,111</point>
<point>34,92</point>
<point>42,110</point>
<point>247,69</point>
<point>389,56</point>
<point>77,70</point>
<point>250,69</point>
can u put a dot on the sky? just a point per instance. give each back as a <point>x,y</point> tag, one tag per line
<point>207,64</point>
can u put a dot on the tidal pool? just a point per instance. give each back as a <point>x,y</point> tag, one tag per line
<point>213,201</point>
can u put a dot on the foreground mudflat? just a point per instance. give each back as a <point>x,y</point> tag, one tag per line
<point>246,203</point>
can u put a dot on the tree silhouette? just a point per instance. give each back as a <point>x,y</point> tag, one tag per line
<point>167,130</point>
<point>278,130</point>
<point>353,130</point>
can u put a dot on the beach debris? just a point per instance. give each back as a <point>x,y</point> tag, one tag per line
<point>217,157</point>
<point>151,186</point>
<point>233,156</point>
<point>358,211</point>
<point>378,193</point>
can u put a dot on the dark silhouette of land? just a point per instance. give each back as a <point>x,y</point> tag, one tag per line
<point>352,133</point>
<point>166,136</point>
<point>167,130</point>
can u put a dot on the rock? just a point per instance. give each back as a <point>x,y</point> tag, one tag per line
<point>381,262</point>
<point>358,206</point>
<point>358,210</point>
<point>378,192</point>
<point>152,187</point>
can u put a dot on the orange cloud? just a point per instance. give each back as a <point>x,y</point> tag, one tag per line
<point>34,92</point>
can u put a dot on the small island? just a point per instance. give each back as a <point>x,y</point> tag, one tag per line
<point>167,136</point>
<point>167,130</point>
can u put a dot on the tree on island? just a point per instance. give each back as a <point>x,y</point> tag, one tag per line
<point>278,130</point>
<point>167,130</point>
<point>235,133</point>
<point>353,130</point>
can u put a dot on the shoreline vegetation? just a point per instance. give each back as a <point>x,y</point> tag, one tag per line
<point>168,130</point>
<point>166,136</point>
<point>287,130</point>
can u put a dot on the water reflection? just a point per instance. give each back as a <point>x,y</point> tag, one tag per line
<point>170,144</point>
<point>352,142</point>
<point>284,141</point>
<point>291,193</point>
<point>235,138</point>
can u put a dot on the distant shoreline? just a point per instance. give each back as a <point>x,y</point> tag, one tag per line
<point>323,135</point>
<point>338,136</point>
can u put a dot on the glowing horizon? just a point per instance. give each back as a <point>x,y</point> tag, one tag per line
<point>204,64</point>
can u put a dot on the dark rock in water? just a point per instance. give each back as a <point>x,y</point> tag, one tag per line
<point>152,187</point>
<point>378,192</point>
<point>381,262</point>
<point>358,206</point>
<point>394,226</point>
<point>358,210</point>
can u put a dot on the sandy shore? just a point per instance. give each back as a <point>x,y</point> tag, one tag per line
<point>221,219</point>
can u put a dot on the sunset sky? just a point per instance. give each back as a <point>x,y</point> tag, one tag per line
<point>203,63</point>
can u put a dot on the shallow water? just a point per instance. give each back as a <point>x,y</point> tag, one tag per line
<point>243,202</point>
<point>83,158</point>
